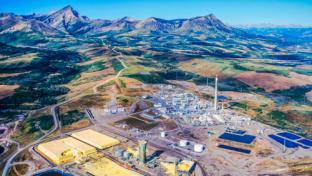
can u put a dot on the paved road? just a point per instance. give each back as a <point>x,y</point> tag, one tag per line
<point>56,120</point>
<point>56,126</point>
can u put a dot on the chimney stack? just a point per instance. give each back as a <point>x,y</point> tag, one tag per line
<point>216,93</point>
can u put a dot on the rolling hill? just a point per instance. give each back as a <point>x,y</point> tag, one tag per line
<point>45,58</point>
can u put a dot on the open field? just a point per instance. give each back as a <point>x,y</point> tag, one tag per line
<point>4,75</point>
<point>223,69</point>
<point>7,90</point>
<point>309,95</point>
<point>72,114</point>
<point>266,68</point>
<point>271,82</point>
<point>36,124</point>
<point>138,123</point>
<point>20,59</point>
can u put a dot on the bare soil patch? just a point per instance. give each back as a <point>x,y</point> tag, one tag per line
<point>309,95</point>
<point>271,82</point>
<point>206,68</point>
<point>22,58</point>
<point>7,90</point>
<point>4,75</point>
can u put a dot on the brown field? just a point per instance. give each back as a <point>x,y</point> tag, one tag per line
<point>239,96</point>
<point>309,95</point>
<point>263,148</point>
<point>271,82</point>
<point>100,58</point>
<point>92,100</point>
<point>131,83</point>
<point>87,81</point>
<point>185,84</point>
<point>22,58</point>
<point>305,67</point>
<point>107,71</point>
<point>300,166</point>
<point>294,107</point>
<point>4,75</point>
<point>96,51</point>
<point>77,125</point>
<point>207,68</point>
<point>7,90</point>
<point>271,165</point>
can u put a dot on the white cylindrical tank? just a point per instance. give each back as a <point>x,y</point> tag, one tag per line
<point>163,134</point>
<point>199,148</point>
<point>183,143</point>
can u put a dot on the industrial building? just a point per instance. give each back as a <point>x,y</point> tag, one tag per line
<point>96,139</point>
<point>75,148</point>
<point>65,150</point>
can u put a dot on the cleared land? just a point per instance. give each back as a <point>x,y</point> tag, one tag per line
<point>208,68</point>
<point>271,82</point>
<point>22,58</point>
<point>7,90</point>
<point>4,75</point>
<point>309,95</point>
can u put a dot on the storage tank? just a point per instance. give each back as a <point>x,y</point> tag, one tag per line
<point>163,134</point>
<point>199,148</point>
<point>126,155</point>
<point>119,152</point>
<point>183,143</point>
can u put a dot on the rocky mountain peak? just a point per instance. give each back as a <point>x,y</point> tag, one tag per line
<point>67,20</point>
<point>212,16</point>
<point>127,18</point>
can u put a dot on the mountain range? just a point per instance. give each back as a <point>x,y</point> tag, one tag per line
<point>68,21</point>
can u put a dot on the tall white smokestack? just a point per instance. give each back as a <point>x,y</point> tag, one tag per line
<point>216,93</point>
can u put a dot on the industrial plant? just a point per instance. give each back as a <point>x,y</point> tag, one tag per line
<point>173,131</point>
<point>144,145</point>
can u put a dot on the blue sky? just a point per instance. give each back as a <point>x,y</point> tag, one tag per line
<point>229,11</point>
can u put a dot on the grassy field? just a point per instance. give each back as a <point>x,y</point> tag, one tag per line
<point>138,123</point>
<point>117,65</point>
<point>73,67</point>
<point>71,117</point>
<point>222,68</point>
<point>74,112</point>
<point>34,126</point>
<point>43,83</point>
<point>265,68</point>
<point>93,67</point>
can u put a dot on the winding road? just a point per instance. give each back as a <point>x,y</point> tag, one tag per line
<point>8,164</point>
<point>57,124</point>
